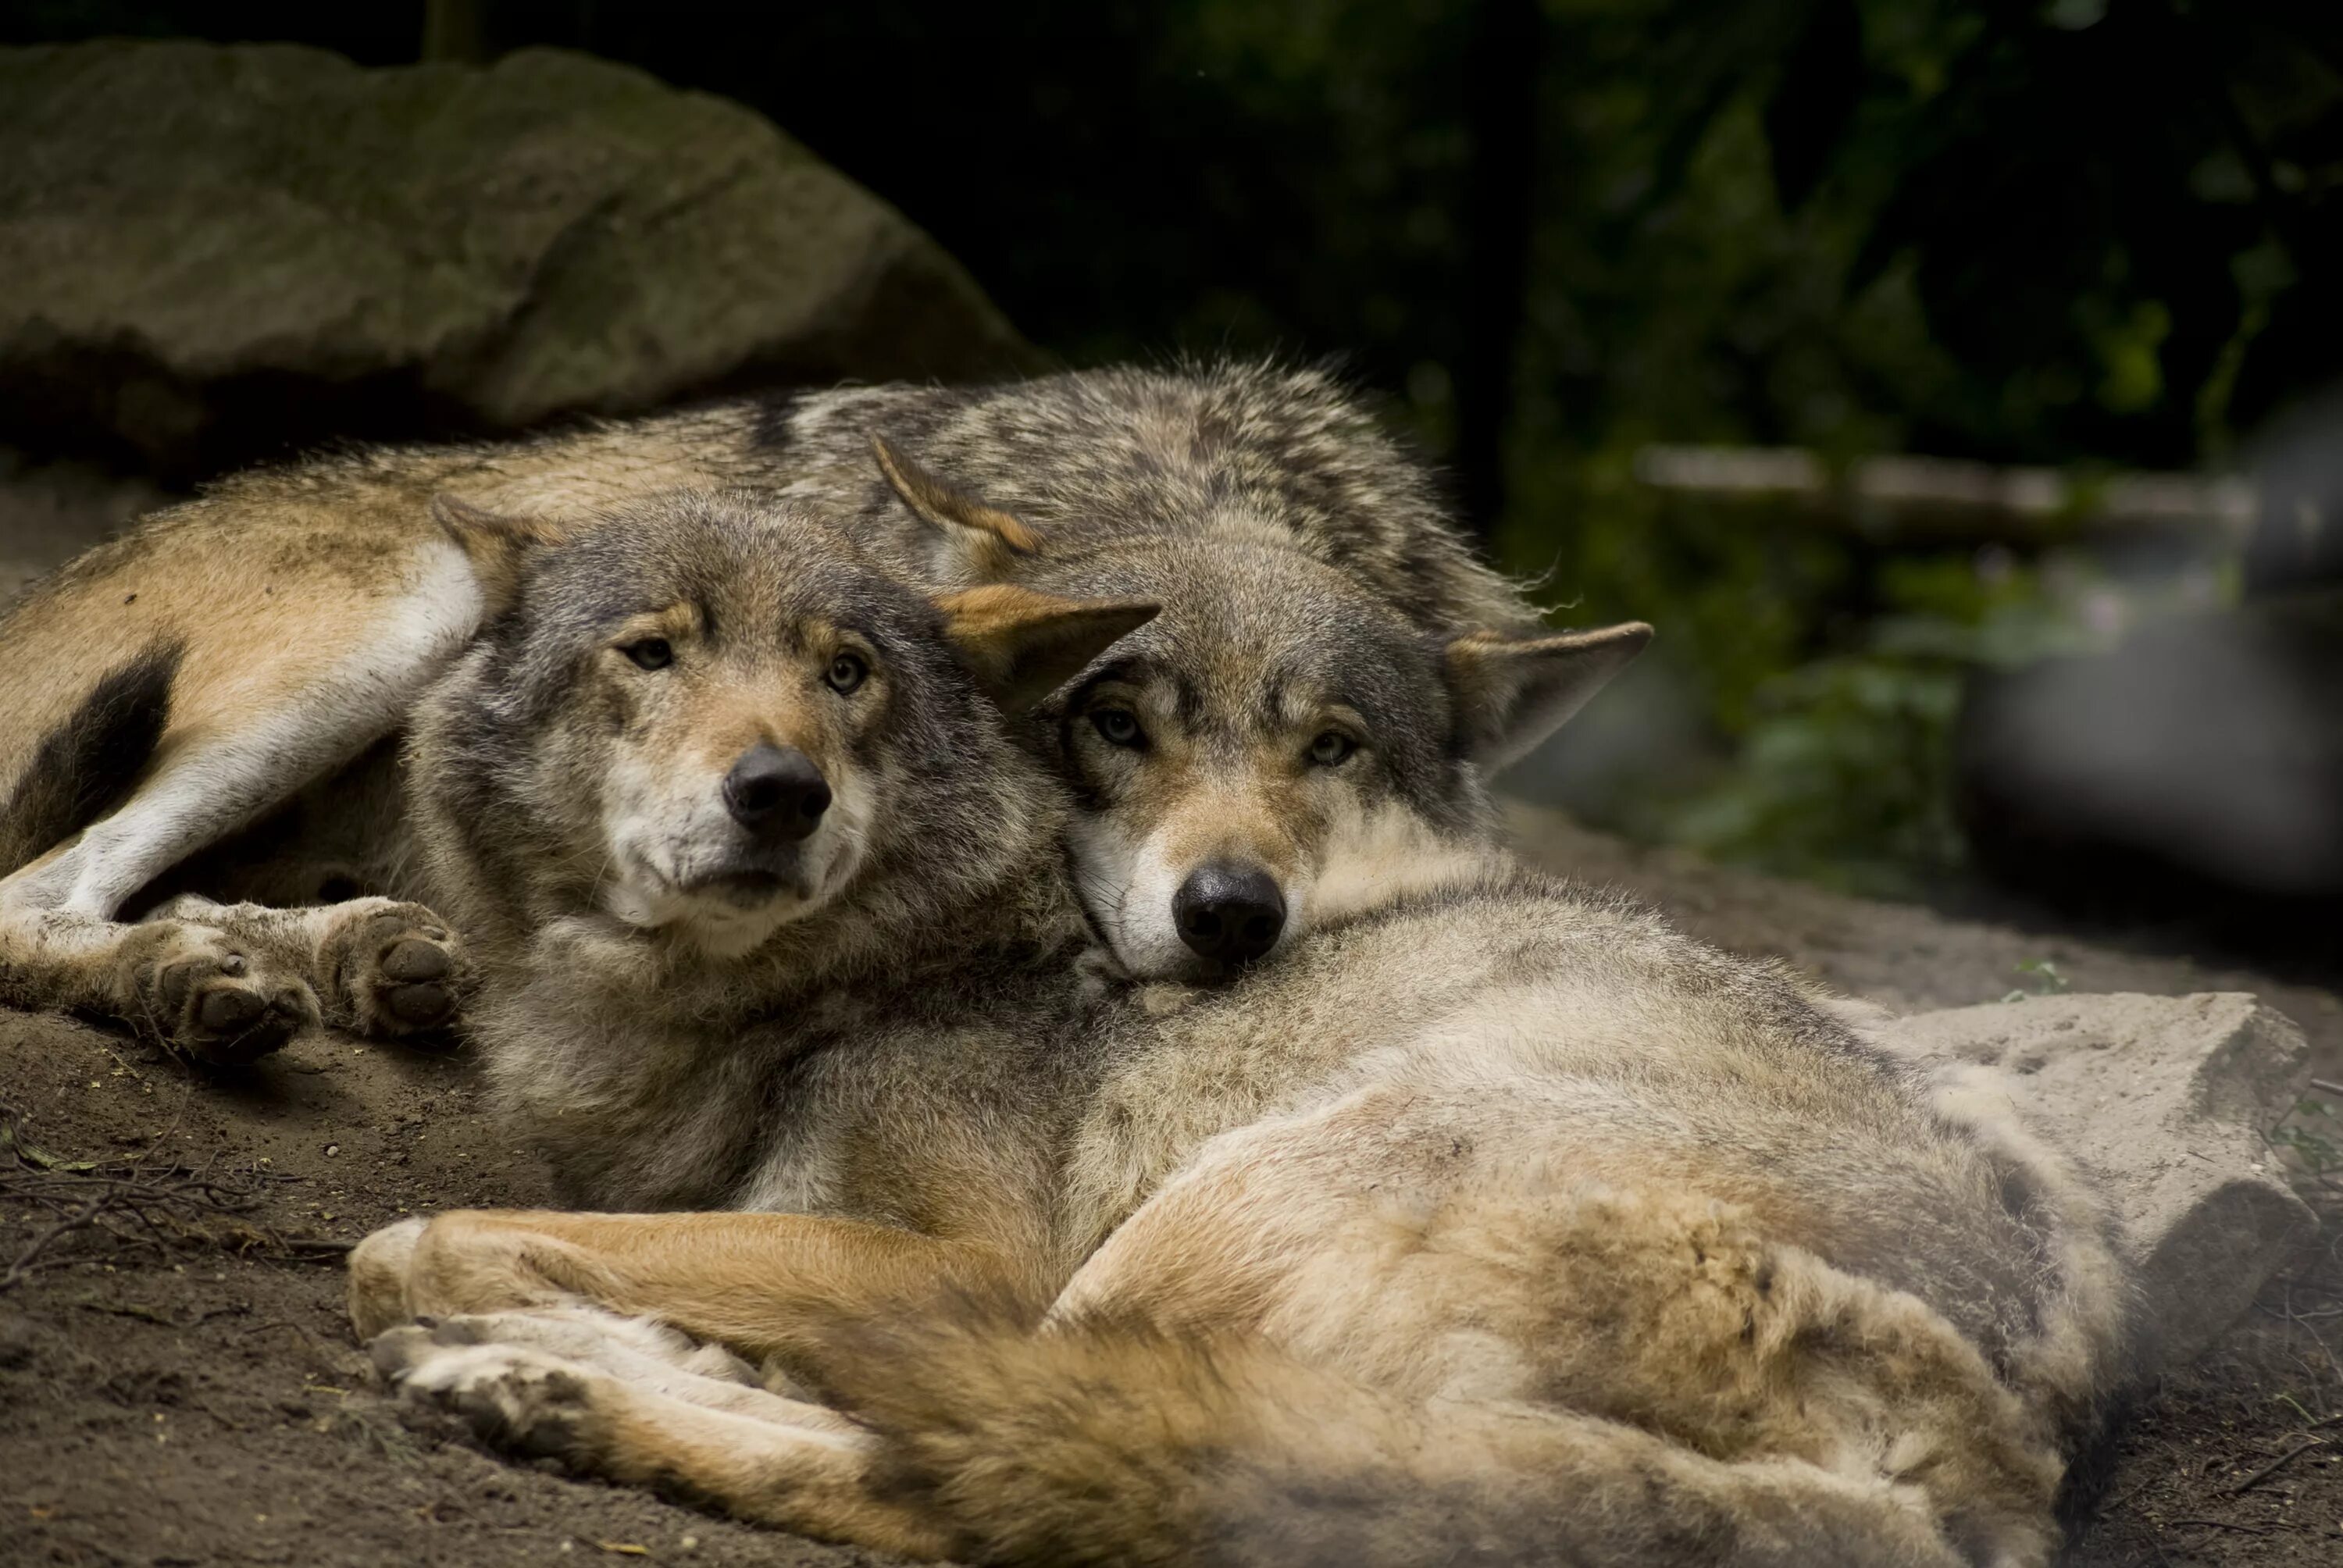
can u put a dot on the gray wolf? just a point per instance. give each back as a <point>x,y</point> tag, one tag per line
<point>250,646</point>
<point>650,1018</point>
<point>1494,1221</point>
<point>728,703</point>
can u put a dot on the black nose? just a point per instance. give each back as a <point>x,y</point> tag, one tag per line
<point>1232,913</point>
<point>777,792</point>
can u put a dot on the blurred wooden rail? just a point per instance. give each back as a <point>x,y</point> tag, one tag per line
<point>1943,500</point>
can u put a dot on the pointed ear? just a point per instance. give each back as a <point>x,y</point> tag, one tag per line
<point>497,542</point>
<point>1022,646</point>
<point>989,537</point>
<point>1512,693</point>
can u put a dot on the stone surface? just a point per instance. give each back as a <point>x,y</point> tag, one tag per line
<point>214,248</point>
<point>50,513</point>
<point>2166,1100</point>
<point>2204,755</point>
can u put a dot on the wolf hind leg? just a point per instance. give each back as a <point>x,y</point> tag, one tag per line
<point>379,967</point>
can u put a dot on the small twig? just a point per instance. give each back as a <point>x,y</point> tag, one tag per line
<point>136,1207</point>
<point>2327,1084</point>
<point>2272,1467</point>
<point>305,1333</point>
<point>26,1260</point>
<point>2299,1408</point>
<point>149,1315</point>
<point>126,1066</point>
<point>2225,1525</point>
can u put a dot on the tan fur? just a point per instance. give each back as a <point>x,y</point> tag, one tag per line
<point>1690,1270</point>
<point>764,1285</point>
<point>995,536</point>
<point>271,578</point>
<point>993,628</point>
<point>752,1454</point>
<point>1498,1211</point>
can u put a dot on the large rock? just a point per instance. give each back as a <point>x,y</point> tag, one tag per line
<point>2166,1100</point>
<point>211,253</point>
<point>2195,771</point>
<point>50,513</point>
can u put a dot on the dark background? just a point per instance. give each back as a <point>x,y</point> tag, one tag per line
<point>2089,234</point>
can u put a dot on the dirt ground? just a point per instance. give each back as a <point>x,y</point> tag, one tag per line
<point>183,1390</point>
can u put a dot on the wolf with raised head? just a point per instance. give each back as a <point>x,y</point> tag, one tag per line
<point>1494,1221</point>
<point>233,655</point>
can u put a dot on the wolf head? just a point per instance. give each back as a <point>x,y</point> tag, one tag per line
<point>710,718</point>
<point>1278,746</point>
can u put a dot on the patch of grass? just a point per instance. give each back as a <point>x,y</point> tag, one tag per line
<point>2046,980</point>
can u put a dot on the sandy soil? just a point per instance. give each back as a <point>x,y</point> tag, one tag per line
<point>191,1395</point>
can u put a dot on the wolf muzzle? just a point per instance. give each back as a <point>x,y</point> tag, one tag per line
<point>1232,913</point>
<point>777,793</point>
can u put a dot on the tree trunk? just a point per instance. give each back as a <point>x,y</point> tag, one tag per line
<point>1501,81</point>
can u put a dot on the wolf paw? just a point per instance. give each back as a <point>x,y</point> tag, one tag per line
<point>641,1349</point>
<point>394,968</point>
<point>195,989</point>
<point>513,1396</point>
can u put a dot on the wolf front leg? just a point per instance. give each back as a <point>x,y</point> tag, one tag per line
<point>766,1286</point>
<point>774,1461</point>
<point>238,686</point>
<point>378,966</point>
<point>187,986</point>
<point>226,983</point>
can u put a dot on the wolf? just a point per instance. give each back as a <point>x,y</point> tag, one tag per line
<point>607,979</point>
<point>242,652</point>
<point>731,702</point>
<point>1495,1221</point>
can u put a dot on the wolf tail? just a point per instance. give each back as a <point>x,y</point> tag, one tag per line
<point>88,761</point>
<point>1100,1443</point>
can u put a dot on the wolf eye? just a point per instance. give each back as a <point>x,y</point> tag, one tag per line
<point>650,653</point>
<point>1331,750</point>
<point>1118,727</point>
<point>845,672</point>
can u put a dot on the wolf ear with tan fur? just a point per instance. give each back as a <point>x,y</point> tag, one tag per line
<point>1513,692</point>
<point>498,543</point>
<point>1022,646</point>
<point>989,539</point>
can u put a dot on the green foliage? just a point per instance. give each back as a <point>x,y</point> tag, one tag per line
<point>2310,1135</point>
<point>1971,242</point>
<point>2046,980</point>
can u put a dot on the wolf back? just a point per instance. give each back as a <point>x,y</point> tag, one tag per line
<point>244,644</point>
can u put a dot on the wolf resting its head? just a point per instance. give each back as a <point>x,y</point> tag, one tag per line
<point>712,717</point>
<point>1280,745</point>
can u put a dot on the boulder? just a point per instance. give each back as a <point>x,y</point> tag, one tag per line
<point>215,253</point>
<point>2166,1100</point>
<point>50,513</point>
<point>2195,771</point>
